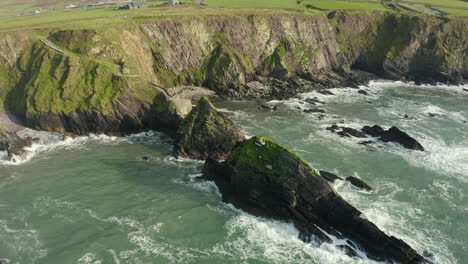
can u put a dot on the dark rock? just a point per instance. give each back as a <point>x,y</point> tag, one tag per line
<point>325,92</point>
<point>363,92</point>
<point>333,128</point>
<point>146,157</point>
<point>432,115</point>
<point>314,110</point>
<point>353,132</point>
<point>329,176</point>
<point>427,254</point>
<point>359,183</point>
<point>393,135</point>
<point>275,108</point>
<point>365,143</point>
<point>396,135</point>
<point>349,251</point>
<point>406,116</point>
<point>346,131</point>
<point>369,102</point>
<point>320,117</point>
<point>465,89</point>
<point>374,131</point>
<point>265,107</point>
<point>314,101</point>
<point>12,143</point>
<point>206,133</point>
<point>270,181</point>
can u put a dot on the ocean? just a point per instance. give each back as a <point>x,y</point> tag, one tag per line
<point>95,200</point>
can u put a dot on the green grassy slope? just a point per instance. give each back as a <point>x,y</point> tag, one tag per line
<point>58,17</point>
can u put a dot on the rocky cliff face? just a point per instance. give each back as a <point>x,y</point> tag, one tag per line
<point>102,80</point>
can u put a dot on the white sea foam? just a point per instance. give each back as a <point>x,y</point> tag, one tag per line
<point>48,141</point>
<point>24,242</point>
<point>89,258</point>
<point>400,219</point>
<point>251,237</point>
<point>447,158</point>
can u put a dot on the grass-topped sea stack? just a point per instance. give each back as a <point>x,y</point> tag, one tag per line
<point>266,179</point>
<point>206,133</point>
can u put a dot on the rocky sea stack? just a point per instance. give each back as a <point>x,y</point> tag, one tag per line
<point>393,134</point>
<point>12,143</point>
<point>206,133</point>
<point>266,179</point>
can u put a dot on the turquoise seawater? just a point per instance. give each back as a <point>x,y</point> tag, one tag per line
<point>94,200</point>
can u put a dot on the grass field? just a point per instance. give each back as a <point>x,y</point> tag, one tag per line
<point>336,4</point>
<point>451,3</point>
<point>105,16</point>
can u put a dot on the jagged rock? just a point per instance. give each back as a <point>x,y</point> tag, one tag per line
<point>314,101</point>
<point>12,143</point>
<point>374,131</point>
<point>346,131</point>
<point>393,135</point>
<point>206,133</point>
<point>329,176</point>
<point>358,183</point>
<point>325,92</point>
<point>333,128</point>
<point>314,110</point>
<point>351,132</point>
<point>271,181</point>
<point>363,92</point>
<point>349,251</point>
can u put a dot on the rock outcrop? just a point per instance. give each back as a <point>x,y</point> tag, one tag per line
<point>331,177</point>
<point>206,133</point>
<point>12,143</point>
<point>359,183</point>
<point>265,179</point>
<point>393,134</point>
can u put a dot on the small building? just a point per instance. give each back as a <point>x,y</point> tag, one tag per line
<point>134,5</point>
<point>173,2</point>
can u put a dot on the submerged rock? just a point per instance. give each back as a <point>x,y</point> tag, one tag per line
<point>325,92</point>
<point>363,92</point>
<point>206,133</point>
<point>346,131</point>
<point>393,135</point>
<point>358,183</point>
<point>314,110</point>
<point>270,181</point>
<point>12,143</point>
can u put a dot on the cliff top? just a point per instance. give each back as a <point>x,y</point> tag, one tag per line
<point>17,15</point>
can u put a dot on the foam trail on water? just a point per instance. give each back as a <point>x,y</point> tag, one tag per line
<point>49,141</point>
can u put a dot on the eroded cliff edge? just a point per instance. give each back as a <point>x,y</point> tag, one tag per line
<point>111,80</point>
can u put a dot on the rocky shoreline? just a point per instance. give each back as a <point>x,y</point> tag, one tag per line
<point>117,91</point>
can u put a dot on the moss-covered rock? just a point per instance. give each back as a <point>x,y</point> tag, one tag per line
<point>12,143</point>
<point>266,179</point>
<point>206,133</point>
